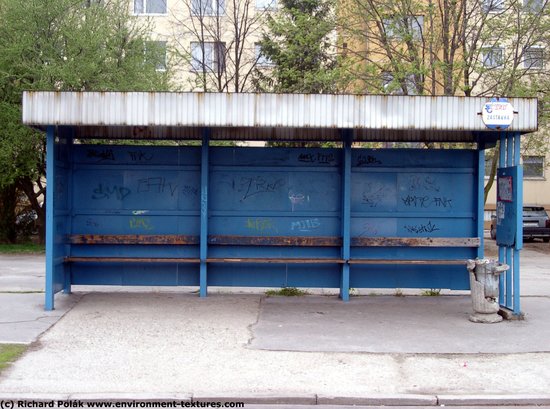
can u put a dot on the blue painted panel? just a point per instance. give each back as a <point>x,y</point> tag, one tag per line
<point>272,192</point>
<point>105,155</point>
<point>276,157</point>
<point>403,276</point>
<point>168,274</point>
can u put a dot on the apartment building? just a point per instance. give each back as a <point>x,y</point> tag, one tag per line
<point>210,45</point>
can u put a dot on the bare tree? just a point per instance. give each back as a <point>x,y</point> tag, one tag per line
<point>216,42</point>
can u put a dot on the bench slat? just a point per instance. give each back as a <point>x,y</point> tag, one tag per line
<point>130,260</point>
<point>277,260</point>
<point>421,262</point>
<point>415,242</point>
<point>143,239</point>
<point>304,241</point>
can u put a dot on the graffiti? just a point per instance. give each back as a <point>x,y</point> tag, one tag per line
<point>103,191</point>
<point>139,212</point>
<point>156,185</point>
<point>369,230</point>
<point>305,225</point>
<point>92,223</point>
<point>140,156</point>
<point>142,223</point>
<point>252,186</point>
<point>416,201</point>
<point>373,194</point>
<point>260,224</point>
<point>442,202</point>
<point>422,228</point>
<point>367,160</point>
<point>426,183</point>
<point>297,199</point>
<point>320,158</point>
<point>427,201</point>
<point>187,190</point>
<point>100,154</point>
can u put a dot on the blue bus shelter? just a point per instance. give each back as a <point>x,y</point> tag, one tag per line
<point>121,211</point>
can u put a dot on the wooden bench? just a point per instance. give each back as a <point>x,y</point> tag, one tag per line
<point>219,240</point>
<point>230,240</point>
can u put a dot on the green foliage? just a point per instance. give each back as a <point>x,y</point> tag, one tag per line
<point>298,43</point>
<point>9,353</point>
<point>286,292</point>
<point>64,45</point>
<point>24,248</point>
<point>432,292</point>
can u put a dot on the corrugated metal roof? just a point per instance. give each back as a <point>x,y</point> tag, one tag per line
<point>267,116</point>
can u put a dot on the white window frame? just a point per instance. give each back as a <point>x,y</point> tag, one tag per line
<point>142,9</point>
<point>493,6</point>
<point>261,60</point>
<point>492,62</point>
<point>533,6</point>
<point>266,4</point>
<point>207,7</point>
<point>539,62</point>
<point>211,60</point>
<point>535,160</point>
<point>415,25</point>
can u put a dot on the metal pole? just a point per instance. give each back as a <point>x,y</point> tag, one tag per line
<point>50,206</point>
<point>346,214</point>
<point>204,214</point>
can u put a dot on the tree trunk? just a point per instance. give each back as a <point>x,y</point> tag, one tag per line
<point>8,202</point>
<point>27,185</point>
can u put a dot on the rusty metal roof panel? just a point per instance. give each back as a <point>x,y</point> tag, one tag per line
<point>398,116</point>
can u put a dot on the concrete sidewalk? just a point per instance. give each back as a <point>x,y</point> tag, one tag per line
<point>374,350</point>
<point>177,343</point>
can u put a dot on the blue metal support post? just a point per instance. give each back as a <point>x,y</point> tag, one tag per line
<point>68,267</point>
<point>509,272</point>
<point>519,227</point>
<point>501,249</point>
<point>481,199</point>
<point>50,206</point>
<point>204,213</point>
<point>346,213</point>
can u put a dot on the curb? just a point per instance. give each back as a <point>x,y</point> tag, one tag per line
<point>298,399</point>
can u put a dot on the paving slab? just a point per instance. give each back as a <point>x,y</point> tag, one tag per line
<point>390,324</point>
<point>23,319</point>
<point>169,343</point>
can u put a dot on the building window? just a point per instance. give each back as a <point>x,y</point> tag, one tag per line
<point>404,26</point>
<point>533,58</point>
<point>493,6</point>
<point>150,6</point>
<point>266,4</point>
<point>533,6</point>
<point>393,86</point>
<point>493,57</point>
<point>155,52</point>
<point>208,7</point>
<point>208,56</point>
<point>261,59</point>
<point>533,167</point>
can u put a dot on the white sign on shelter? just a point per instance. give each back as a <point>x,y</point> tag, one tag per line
<point>497,113</point>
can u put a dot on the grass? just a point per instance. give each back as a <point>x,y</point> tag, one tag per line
<point>398,292</point>
<point>432,292</point>
<point>24,248</point>
<point>286,292</point>
<point>9,353</point>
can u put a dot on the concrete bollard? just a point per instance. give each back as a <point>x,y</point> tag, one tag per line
<point>484,279</point>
